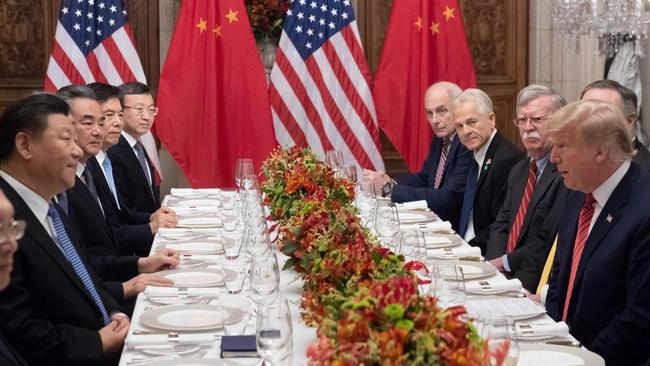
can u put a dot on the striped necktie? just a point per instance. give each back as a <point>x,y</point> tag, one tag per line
<point>468,198</point>
<point>74,259</point>
<point>513,238</point>
<point>446,142</point>
<point>584,222</point>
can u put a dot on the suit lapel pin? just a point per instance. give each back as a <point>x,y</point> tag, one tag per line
<point>488,162</point>
<point>609,218</point>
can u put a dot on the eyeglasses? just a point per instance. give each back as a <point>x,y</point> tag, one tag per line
<point>151,111</point>
<point>535,121</point>
<point>12,230</point>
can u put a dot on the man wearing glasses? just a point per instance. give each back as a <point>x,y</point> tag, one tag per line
<point>532,183</point>
<point>134,175</point>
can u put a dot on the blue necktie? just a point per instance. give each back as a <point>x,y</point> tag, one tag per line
<point>63,201</point>
<point>73,257</point>
<point>108,169</point>
<point>468,198</point>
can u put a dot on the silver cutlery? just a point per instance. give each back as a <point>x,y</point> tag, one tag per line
<point>564,343</point>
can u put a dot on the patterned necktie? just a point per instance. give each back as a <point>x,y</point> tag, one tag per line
<point>468,198</point>
<point>446,142</point>
<point>142,159</point>
<point>90,184</point>
<point>523,206</point>
<point>73,257</point>
<point>108,169</point>
<point>584,221</point>
<point>62,198</point>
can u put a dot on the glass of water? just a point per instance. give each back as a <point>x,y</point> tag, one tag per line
<point>275,333</point>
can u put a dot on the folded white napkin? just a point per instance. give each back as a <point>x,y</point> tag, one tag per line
<point>210,259</point>
<point>454,252</point>
<point>188,192</point>
<point>413,205</point>
<point>535,330</point>
<point>140,340</point>
<point>180,232</point>
<point>429,226</point>
<point>493,285</point>
<point>157,291</point>
<point>197,210</point>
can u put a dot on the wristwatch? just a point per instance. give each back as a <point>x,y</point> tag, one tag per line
<point>387,188</point>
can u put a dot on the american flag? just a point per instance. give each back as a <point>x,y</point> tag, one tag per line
<point>319,90</point>
<point>93,43</point>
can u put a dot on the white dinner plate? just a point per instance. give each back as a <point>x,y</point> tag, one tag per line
<point>197,202</point>
<point>437,241</point>
<point>175,300</point>
<point>199,221</point>
<point>187,317</point>
<point>473,270</point>
<point>177,350</point>
<point>193,362</point>
<point>196,247</point>
<point>412,217</point>
<point>550,354</point>
<point>194,277</point>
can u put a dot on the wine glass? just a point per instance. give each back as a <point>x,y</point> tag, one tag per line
<point>334,159</point>
<point>449,284</point>
<point>386,221</point>
<point>275,333</point>
<point>264,278</point>
<point>243,169</point>
<point>500,335</point>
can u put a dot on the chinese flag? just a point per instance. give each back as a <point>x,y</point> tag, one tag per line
<point>213,100</point>
<point>425,43</point>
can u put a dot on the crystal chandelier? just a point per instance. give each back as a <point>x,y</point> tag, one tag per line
<point>612,22</point>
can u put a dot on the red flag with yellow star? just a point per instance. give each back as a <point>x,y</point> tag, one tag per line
<point>425,43</point>
<point>213,99</point>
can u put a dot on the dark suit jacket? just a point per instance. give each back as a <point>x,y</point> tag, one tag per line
<point>9,356</point>
<point>447,200</point>
<point>538,208</point>
<point>99,241</point>
<point>46,313</point>
<point>131,228</point>
<point>491,187</point>
<point>610,306</point>
<point>642,154</point>
<point>130,181</point>
<point>532,265</point>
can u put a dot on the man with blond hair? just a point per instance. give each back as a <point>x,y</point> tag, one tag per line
<point>600,282</point>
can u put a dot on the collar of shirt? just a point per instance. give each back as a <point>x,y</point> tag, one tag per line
<point>602,193</point>
<point>541,164</point>
<point>101,156</point>
<point>34,201</point>
<point>80,169</point>
<point>452,137</point>
<point>479,156</point>
<point>130,139</point>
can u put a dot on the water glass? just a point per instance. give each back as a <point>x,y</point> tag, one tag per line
<point>334,159</point>
<point>275,333</point>
<point>386,221</point>
<point>234,273</point>
<point>243,170</point>
<point>449,284</point>
<point>264,278</point>
<point>235,312</point>
<point>228,198</point>
<point>500,335</point>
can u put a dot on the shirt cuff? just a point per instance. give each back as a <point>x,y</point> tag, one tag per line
<point>506,266</point>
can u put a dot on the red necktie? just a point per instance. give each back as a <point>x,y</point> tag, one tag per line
<point>523,206</point>
<point>441,163</point>
<point>584,221</point>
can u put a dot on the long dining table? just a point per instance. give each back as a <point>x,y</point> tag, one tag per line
<point>200,214</point>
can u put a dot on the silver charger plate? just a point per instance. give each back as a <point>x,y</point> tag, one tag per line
<point>588,358</point>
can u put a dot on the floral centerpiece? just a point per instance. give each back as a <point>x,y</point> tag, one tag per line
<point>266,17</point>
<point>363,298</point>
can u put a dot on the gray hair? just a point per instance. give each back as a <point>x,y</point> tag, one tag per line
<point>534,91</point>
<point>452,89</point>
<point>595,122</point>
<point>71,92</point>
<point>478,97</point>
<point>628,96</point>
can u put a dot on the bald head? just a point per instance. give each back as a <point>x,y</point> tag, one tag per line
<point>437,100</point>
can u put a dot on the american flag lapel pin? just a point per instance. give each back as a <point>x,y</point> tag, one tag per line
<point>609,218</point>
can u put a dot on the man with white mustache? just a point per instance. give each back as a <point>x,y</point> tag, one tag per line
<point>532,184</point>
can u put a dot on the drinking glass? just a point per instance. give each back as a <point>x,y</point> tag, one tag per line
<point>449,284</point>
<point>275,333</point>
<point>386,221</point>
<point>235,314</point>
<point>411,245</point>
<point>349,172</point>
<point>500,335</point>
<point>228,198</point>
<point>264,278</point>
<point>334,159</point>
<point>243,169</point>
<point>234,273</point>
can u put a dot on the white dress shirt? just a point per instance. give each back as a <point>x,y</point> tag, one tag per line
<point>132,141</point>
<point>37,204</point>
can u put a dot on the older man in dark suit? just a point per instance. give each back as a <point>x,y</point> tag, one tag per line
<point>134,175</point>
<point>532,183</point>
<point>494,156</point>
<point>54,311</point>
<point>600,283</point>
<point>441,181</point>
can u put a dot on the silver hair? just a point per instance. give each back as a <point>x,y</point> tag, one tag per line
<point>478,97</point>
<point>452,89</point>
<point>534,91</point>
